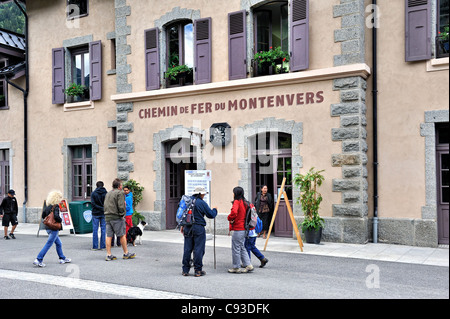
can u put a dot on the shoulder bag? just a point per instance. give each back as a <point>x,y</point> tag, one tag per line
<point>50,221</point>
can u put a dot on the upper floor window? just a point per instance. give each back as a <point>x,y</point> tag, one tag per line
<point>77,8</point>
<point>3,88</point>
<point>81,71</point>
<point>442,39</point>
<point>180,52</point>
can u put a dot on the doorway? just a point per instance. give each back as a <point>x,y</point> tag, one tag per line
<point>271,162</point>
<point>180,156</point>
<point>442,168</point>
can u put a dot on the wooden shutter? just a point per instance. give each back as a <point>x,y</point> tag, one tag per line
<point>299,35</point>
<point>418,30</point>
<point>95,60</point>
<point>58,75</point>
<point>237,45</point>
<point>202,48</point>
<point>152,72</point>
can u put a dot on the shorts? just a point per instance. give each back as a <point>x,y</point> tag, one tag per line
<point>116,226</point>
<point>9,218</point>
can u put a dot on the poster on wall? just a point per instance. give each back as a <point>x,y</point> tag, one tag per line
<point>193,179</point>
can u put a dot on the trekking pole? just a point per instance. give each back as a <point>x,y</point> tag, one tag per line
<point>214,241</point>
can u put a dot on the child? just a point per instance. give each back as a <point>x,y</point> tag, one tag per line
<point>250,242</point>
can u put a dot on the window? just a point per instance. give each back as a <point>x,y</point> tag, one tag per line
<point>180,51</point>
<point>3,88</point>
<point>442,38</point>
<point>271,31</point>
<point>81,173</point>
<point>77,8</point>
<point>81,71</point>
<point>5,174</point>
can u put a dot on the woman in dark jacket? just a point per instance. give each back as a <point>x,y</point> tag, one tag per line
<point>264,208</point>
<point>53,200</point>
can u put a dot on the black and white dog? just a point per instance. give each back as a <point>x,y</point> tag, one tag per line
<point>136,232</point>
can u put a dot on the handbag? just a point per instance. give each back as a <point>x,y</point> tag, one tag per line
<point>50,221</point>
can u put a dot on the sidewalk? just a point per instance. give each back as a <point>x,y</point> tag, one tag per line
<point>382,252</point>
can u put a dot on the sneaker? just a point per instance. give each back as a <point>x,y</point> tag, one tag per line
<point>235,270</point>
<point>264,261</point>
<point>129,255</point>
<point>12,236</point>
<point>185,273</point>
<point>200,273</point>
<point>38,263</point>
<point>110,257</point>
<point>65,261</point>
<point>249,268</point>
<point>6,237</point>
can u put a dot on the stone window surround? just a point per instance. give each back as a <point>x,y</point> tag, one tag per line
<point>67,160</point>
<point>8,146</point>
<point>428,130</point>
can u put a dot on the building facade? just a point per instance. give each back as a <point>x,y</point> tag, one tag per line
<point>369,108</point>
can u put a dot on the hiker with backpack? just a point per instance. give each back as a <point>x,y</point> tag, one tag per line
<point>250,243</point>
<point>237,219</point>
<point>192,225</point>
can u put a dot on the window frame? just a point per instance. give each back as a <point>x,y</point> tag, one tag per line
<point>81,51</point>
<point>83,161</point>
<point>5,177</point>
<point>5,86</point>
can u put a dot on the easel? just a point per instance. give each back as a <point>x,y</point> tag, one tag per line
<point>291,214</point>
<point>65,215</point>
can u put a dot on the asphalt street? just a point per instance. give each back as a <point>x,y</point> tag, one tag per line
<point>156,273</point>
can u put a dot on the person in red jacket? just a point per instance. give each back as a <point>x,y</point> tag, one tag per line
<point>237,221</point>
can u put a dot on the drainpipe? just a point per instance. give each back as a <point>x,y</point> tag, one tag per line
<point>25,116</point>
<point>375,121</point>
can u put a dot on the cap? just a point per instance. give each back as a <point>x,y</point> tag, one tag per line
<point>12,192</point>
<point>200,190</point>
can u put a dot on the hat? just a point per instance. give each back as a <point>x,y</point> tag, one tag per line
<point>12,192</point>
<point>200,190</point>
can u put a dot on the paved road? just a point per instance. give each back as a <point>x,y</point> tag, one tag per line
<point>156,273</point>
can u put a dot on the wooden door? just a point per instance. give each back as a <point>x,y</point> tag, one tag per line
<point>442,167</point>
<point>283,224</point>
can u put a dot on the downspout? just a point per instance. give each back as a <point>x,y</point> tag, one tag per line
<point>375,121</point>
<point>25,116</point>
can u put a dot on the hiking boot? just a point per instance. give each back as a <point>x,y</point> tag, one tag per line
<point>129,255</point>
<point>110,257</point>
<point>38,263</point>
<point>235,270</point>
<point>264,261</point>
<point>247,269</point>
<point>200,273</point>
<point>12,236</point>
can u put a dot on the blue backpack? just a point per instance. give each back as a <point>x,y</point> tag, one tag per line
<point>185,216</point>
<point>259,226</point>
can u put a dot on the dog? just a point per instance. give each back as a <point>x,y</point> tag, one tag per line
<point>136,232</point>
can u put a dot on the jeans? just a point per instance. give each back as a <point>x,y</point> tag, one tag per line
<point>250,246</point>
<point>194,241</point>
<point>96,221</point>
<point>52,238</point>
<point>238,251</point>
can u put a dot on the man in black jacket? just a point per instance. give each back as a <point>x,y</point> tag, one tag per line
<point>98,216</point>
<point>8,212</point>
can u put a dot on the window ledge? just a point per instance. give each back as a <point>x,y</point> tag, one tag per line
<point>78,106</point>
<point>360,69</point>
<point>437,64</point>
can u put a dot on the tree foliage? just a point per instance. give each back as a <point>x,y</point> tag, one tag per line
<point>11,18</point>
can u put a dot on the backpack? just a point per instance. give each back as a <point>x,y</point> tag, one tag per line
<point>251,217</point>
<point>185,211</point>
<point>259,226</point>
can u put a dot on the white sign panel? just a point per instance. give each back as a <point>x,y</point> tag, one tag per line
<point>193,179</point>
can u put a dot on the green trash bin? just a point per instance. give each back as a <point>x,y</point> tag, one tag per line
<point>81,213</point>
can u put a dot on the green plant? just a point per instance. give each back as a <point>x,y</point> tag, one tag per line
<point>75,89</point>
<point>310,198</point>
<point>444,34</point>
<point>271,56</point>
<point>137,217</point>
<point>173,71</point>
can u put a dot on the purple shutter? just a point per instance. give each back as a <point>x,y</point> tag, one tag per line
<point>152,81</point>
<point>237,45</point>
<point>95,81</point>
<point>418,33</point>
<point>299,35</point>
<point>202,47</point>
<point>58,75</point>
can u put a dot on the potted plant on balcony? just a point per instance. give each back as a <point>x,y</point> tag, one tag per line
<point>310,200</point>
<point>177,72</point>
<point>443,36</point>
<point>76,92</point>
<point>273,57</point>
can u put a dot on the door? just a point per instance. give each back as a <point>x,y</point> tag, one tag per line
<point>283,225</point>
<point>442,167</point>
<point>179,158</point>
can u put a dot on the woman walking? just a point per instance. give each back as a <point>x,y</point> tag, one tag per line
<point>237,221</point>
<point>264,208</point>
<point>53,200</point>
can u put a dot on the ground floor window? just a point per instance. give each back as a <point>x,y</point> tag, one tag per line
<point>443,177</point>
<point>5,176</point>
<point>81,173</point>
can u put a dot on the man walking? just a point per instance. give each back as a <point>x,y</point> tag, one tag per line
<point>98,216</point>
<point>195,235</point>
<point>8,212</point>
<point>115,220</point>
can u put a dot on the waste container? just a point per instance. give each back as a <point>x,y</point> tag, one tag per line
<point>81,213</point>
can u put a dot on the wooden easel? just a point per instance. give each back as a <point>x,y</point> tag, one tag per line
<point>291,214</point>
